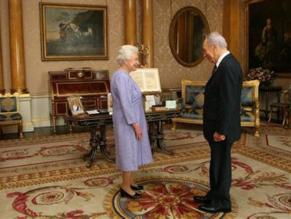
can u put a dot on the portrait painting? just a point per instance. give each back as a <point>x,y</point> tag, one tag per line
<point>270,35</point>
<point>73,32</point>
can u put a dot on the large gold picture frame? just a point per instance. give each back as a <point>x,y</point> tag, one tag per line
<point>73,32</point>
<point>269,35</point>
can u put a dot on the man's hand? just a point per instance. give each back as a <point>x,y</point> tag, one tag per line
<point>218,137</point>
<point>137,131</point>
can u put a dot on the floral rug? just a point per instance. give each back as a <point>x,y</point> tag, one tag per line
<point>48,159</point>
<point>47,178</point>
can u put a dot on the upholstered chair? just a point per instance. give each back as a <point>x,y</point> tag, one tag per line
<point>9,114</point>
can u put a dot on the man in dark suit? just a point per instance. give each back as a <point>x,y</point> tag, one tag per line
<point>221,121</point>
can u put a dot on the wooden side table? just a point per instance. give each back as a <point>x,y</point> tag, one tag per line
<point>267,92</point>
<point>285,109</point>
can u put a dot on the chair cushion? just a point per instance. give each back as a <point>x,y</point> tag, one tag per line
<point>3,117</point>
<point>191,115</point>
<point>8,104</point>
<point>15,116</point>
<point>247,96</point>
<point>197,114</point>
<point>247,117</point>
<point>12,116</point>
<point>195,96</point>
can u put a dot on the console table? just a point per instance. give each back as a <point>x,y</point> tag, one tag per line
<point>99,122</point>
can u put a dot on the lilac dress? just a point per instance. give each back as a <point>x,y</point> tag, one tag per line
<point>128,109</point>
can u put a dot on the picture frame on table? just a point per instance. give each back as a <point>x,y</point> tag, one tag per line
<point>75,105</point>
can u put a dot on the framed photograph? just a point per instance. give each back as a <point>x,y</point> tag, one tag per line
<point>75,105</point>
<point>269,37</point>
<point>73,32</point>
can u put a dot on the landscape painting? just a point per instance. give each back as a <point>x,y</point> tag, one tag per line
<point>73,32</point>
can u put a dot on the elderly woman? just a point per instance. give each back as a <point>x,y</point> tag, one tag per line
<point>130,127</point>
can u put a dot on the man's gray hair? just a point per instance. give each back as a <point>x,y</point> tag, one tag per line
<point>216,39</point>
<point>125,53</point>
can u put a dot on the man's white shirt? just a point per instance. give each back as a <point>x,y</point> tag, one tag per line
<point>221,58</point>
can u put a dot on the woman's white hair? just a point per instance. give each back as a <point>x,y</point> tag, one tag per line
<point>216,39</point>
<point>125,53</point>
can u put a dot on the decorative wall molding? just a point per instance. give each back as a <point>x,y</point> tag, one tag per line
<point>41,109</point>
<point>35,111</point>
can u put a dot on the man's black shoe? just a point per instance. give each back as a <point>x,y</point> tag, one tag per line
<point>213,208</point>
<point>201,199</point>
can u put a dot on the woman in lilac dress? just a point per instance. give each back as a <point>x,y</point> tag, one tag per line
<point>129,123</point>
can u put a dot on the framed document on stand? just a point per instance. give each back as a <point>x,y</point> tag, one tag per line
<point>148,80</point>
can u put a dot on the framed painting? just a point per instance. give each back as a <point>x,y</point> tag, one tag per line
<point>73,32</point>
<point>269,35</point>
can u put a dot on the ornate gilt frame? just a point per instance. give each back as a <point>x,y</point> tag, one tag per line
<point>59,50</point>
<point>247,3</point>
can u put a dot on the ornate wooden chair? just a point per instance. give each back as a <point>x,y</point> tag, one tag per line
<point>9,114</point>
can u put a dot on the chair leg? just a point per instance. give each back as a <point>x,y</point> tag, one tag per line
<point>285,118</point>
<point>53,120</point>
<point>20,129</point>
<point>174,126</point>
<point>257,133</point>
<point>288,118</point>
<point>270,115</point>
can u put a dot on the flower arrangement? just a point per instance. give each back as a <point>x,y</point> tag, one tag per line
<point>263,75</point>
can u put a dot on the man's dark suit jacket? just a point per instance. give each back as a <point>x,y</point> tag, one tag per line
<point>221,111</point>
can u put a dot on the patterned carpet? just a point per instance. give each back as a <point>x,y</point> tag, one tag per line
<point>47,178</point>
